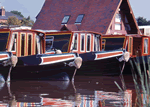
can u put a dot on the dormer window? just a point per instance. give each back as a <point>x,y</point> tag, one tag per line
<point>79,19</point>
<point>65,19</point>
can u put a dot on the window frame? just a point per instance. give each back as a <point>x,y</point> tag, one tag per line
<point>13,37</point>
<point>28,41</point>
<point>87,43</point>
<point>21,43</point>
<point>46,40</point>
<point>82,35</point>
<point>144,45</point>
<point>118,22</point>
<point>130,45</point>
<point>77,22</point>
<point>97,48</point>
<point>67,19</point>
<point>74,41</point>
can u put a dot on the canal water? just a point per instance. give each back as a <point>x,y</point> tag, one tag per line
<point>85,91</point>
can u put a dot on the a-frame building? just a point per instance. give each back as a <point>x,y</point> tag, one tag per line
<point>104,16</point>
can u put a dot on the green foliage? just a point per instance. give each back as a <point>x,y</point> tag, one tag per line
<point>12,20</point>
<point>142,21</point>
<point>27,22</point>
<point>24,22</point>
<point>17,13</point>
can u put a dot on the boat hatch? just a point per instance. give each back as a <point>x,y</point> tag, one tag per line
<point>58,41</point>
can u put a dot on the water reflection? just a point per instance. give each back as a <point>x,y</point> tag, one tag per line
<point>83,92</point>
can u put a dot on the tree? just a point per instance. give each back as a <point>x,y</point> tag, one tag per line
<point>27,22</point>
<point>142,21</point>
<point>12,20</point>
<point>17,13</point>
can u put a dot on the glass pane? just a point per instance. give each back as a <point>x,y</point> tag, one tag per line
<point>130,44</point>
<point>14,42</point>
<point>82,42</point>
<point>118,18</point>
<point>65,19</point>
<point>61,41</point>
<point>145,45</point>
<point>75,42</point>
<point>49,43</point>
<point>117,26</point>
<point>88,43</point>
<point>98,44</point>
<point>22,44</point>
<point>79,18</point>
<point>113,43</point>
<point>29,44</point>
<point>3,41</point>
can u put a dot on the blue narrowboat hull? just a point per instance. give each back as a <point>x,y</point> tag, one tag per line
<point>32,68</point>
<point>44,67</point>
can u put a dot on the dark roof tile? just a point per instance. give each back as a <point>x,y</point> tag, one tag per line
<point>98,14</point>
<point>8,14</point>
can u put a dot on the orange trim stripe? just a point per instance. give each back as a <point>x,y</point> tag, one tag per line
<point>57,58</point>
<point>3,56</point>
<point>108,54</point>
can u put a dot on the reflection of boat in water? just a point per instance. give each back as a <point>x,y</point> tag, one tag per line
<point>46,93</point>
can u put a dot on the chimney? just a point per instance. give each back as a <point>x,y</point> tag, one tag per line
<point>2,11</point>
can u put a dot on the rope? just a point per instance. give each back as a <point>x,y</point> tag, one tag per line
<point>8,78</point>
<point>74,74</point>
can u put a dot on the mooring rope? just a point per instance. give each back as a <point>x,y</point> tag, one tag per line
<point>8,78</point>
<point>74,75</point>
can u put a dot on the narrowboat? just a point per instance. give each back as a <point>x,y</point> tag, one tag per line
<point>101,54</point>
<point>28,54</point>
<point>22,56</point>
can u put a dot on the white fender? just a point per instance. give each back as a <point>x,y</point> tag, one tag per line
<point>76,63</point>
<point>58,51</point>
<point>14,60</point>
<point>125,57</point>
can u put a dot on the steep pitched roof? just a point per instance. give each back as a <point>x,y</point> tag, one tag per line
<point>8,14</point>
<point>98,14</point>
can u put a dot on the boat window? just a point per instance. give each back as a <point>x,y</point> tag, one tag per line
<point>3,41</point>
<point>22,44</point>
<point>113,43</point>
<point>82,42</point>
<point>38,44</point>
<point>103,44</point>
<point>75,42</point>
<point>61,41</point>
<point>146,46</point>
<point>49,43</point>
<point>130,44</point>
<point>14,42</point>
<point>29,44</point>
<point>88,42</point>
<point>97,43</point>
